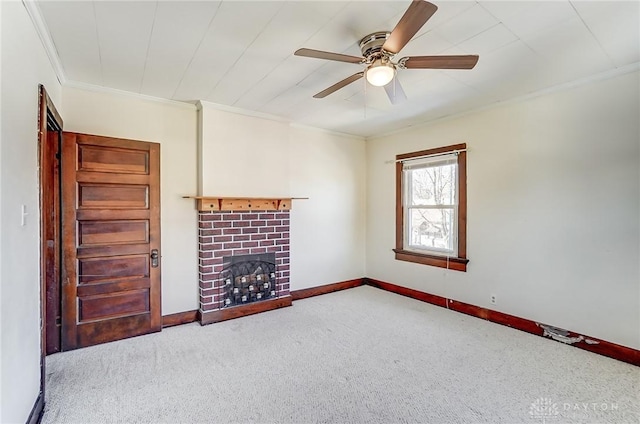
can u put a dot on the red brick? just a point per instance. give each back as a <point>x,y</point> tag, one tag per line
<point>282,215</point>
<point>206,299</point>
<point>267,243</point>
<point>221,253</point>
<point>223,239</point>
<point>205,239</point>
<point>266,216</point>
<point>218,268</point>
<point>231,217</point>
<point>274,248</point>
<point>285,222</point>
<point>241,223</point>
<point>222,224</point>
<point>250,244</point>
<point>274,222</point>
<point>207,285</point>
<point>283,268</point>
<point>274,236</point>
<point>209,292</point>
<point>203,224</point>
<point>257,250</point>
<point>258,236</point>
<point>285,248</point>
<point>207,277</point>
<point>282,229</point>
<point>249,216</point>
<point>243,237</point>
<point>208,262</point>
<point>267,229</point>
<point>258,223</point>
<point>233,245</point>
<point>216,232</point>
<point>282,255</point>
<point>209,247</point>
<point>282,241</point>
<point>209,217</point>
<point>204,255</point>
<point>285,235</point>
<point>205,269</point>
<point>250,230</point>
<point>238,252</point>
<point>232,231</point>
<point>209,307</point>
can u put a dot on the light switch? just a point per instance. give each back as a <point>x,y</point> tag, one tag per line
<point>23,215</point>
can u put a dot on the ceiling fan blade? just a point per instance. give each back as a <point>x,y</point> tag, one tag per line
<point>339,85</point>
<point>395,92</point>
<point>318,54</point>
<point>439,62</point>
<point>414,18</point>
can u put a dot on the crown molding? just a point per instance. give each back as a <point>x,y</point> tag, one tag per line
<point>542,92</point>
<point>43,32</point>
<point>326,131</point>
<point>123,93</point>
<point>203,104</point>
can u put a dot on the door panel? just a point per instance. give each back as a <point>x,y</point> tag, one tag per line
<point>111,223</point>
<point>112,196</point>
<point>98,159</point>
<point>96,233</point>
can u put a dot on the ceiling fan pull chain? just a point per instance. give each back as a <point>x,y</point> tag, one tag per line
<point>365,94</point>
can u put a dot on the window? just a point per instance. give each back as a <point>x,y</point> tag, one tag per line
<point>431,207</point>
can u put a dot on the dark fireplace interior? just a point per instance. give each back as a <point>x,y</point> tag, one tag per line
<point>247,278</point>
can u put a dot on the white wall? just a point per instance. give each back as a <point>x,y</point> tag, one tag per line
<point>175,128</point>
<point>249,156</point>
<point>24,66</point>
<point>242,155</point>
<point>328,231</point>
<point>553,209</point>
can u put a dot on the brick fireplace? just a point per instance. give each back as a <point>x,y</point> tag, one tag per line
<point>227,237</point>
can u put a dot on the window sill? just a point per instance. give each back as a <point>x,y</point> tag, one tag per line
<point>458,264</point>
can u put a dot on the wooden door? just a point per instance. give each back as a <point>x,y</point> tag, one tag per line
<point>111,239</point>
<point>50,230</point>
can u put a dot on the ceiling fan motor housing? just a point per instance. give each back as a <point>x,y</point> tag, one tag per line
<point>371,45</point>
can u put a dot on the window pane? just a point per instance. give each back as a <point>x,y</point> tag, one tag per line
<point>431,229</point>
<point>434,185</point>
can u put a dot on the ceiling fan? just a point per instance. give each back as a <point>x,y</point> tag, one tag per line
<point>379,48</point>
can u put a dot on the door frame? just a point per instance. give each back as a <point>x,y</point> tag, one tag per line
<point>49,120</point>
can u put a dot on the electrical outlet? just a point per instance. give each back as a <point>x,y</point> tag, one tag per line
<point>494,299</point>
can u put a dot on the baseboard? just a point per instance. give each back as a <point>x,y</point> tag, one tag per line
<point>327,288</point>
<point>244,310</point>
<point>36,412</point>
<point>592,344</point>
<point>185,317</point>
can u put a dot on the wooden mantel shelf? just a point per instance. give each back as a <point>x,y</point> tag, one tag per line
<point>213,203</point>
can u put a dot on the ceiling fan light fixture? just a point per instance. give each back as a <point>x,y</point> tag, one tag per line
<point>380,73</point>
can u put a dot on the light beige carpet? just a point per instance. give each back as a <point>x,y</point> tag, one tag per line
<point>357,356</point>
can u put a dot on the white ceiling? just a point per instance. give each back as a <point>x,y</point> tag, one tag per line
<point>240,53</point>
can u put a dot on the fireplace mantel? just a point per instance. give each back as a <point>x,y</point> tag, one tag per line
<point>218,203</point>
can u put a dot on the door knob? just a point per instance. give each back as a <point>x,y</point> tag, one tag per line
<point>154,258</point>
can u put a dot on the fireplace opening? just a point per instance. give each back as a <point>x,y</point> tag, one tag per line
<point>247,279</point>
